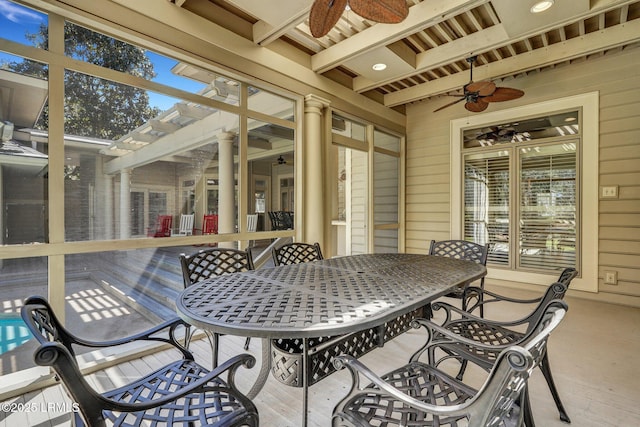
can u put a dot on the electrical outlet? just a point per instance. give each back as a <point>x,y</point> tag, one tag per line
<point>611,277</point>
<point>610,191</point>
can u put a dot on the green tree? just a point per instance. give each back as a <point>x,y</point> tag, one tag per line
<point>96,107</point>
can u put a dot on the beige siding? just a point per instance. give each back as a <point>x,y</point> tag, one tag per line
<point>617,78</point>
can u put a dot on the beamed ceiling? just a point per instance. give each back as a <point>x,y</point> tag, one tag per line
<point>425,54</point>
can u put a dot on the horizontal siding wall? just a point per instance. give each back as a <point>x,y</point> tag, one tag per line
<point>616,76</point>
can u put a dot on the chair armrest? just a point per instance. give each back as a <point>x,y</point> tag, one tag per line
<point>450,309</point>
<point>148,335</point>
<point>474,297</point>
<point>358,369</point>
<point>439,336</point>
<point>231,365</point>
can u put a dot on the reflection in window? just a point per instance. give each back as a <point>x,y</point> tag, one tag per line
<point>15,353</point>
<point>271,170</point>
<point>269,103</point>
<point>347,127</point>
<point>160,158</point>
<point>23,160</point>
<point>23,25</point>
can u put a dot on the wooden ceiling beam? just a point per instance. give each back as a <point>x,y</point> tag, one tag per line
<point>422,15</point>
<point>588,44</point>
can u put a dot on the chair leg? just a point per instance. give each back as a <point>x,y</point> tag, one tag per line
<point>546,371</point>
<point>525,403</point>
<point>463,368</point>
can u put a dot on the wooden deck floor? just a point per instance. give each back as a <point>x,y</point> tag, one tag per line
<point>593,355</point>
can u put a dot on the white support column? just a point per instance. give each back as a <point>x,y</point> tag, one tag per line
<point>125,203</point>
<point>226,186</point>
<point>313,167</point>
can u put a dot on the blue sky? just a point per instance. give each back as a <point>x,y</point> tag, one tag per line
<point>17,20</point>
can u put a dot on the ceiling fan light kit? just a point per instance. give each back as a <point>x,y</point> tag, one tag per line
<point>478,95</point>
<point>325,14</point>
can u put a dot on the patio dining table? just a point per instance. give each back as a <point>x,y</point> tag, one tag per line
<point>331,297</point>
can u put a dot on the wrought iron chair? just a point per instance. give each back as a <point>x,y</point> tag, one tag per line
<point>481,339</point>
<point>214,262</point>
<point>295,253</point>
<point>475,298</point>
<point>185,227</point>
<point>162,227</point>
<point>180,392</point>
<point>420,394</point>
<point>460,249</point>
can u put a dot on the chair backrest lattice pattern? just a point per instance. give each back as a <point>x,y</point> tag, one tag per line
<point>296,253</point>
<point>214,262</point>
<point>460,249</point>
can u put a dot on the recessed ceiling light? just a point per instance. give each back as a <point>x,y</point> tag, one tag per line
<point>541,6</point>
<point>379,67</point>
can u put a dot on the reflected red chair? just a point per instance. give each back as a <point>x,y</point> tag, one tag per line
<point>162,228</point>
<point>209,224</point>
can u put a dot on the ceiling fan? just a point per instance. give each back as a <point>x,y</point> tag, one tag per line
<point>325,14</point>
<point>478,95</point>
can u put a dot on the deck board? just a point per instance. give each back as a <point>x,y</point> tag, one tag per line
<point>584,352</point>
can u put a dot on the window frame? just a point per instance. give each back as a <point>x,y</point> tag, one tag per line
<point>587,166</point>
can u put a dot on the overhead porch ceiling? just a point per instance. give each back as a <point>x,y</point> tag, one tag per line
<point>425,54</point>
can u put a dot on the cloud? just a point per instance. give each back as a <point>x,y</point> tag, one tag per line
<point>18,14</point>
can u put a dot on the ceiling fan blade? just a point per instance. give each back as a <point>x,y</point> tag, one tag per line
<point>450,104</point>
<point>503,94</point>
<point>476,107</point>
<point>384,11</point>
<point>323,16</point>
<point>481,88</point>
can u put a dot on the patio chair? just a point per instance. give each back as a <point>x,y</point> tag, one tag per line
<point>475,298</point>
<point>464,250</point>
<point>295,253</point>
<point>420,394</point>
<point>170,395</point>
<point>162,227</point>
<point>481,340</point>
<point>186,226</point>
<point>212,262</point>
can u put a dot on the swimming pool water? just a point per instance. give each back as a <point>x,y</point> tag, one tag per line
<point>13,332</point>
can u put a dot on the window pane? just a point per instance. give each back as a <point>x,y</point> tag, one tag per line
<point>349,128</point>
<point>486,203</point>
<point>271,175</point>
<point>548,207</point>
<point>555,125</point>
<point>23,25</point>
<point>386,141</point>
<point>269,103</point>
<point>385,241</point>
<point>385,188</point>
<point>358,190</point>
<point>16,353</point>
<point>24,154</point>
<point>130,165</point>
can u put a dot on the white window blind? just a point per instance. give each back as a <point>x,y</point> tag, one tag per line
<point>548,207</point>
<point>486,213</point>
<point>522,201</point>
